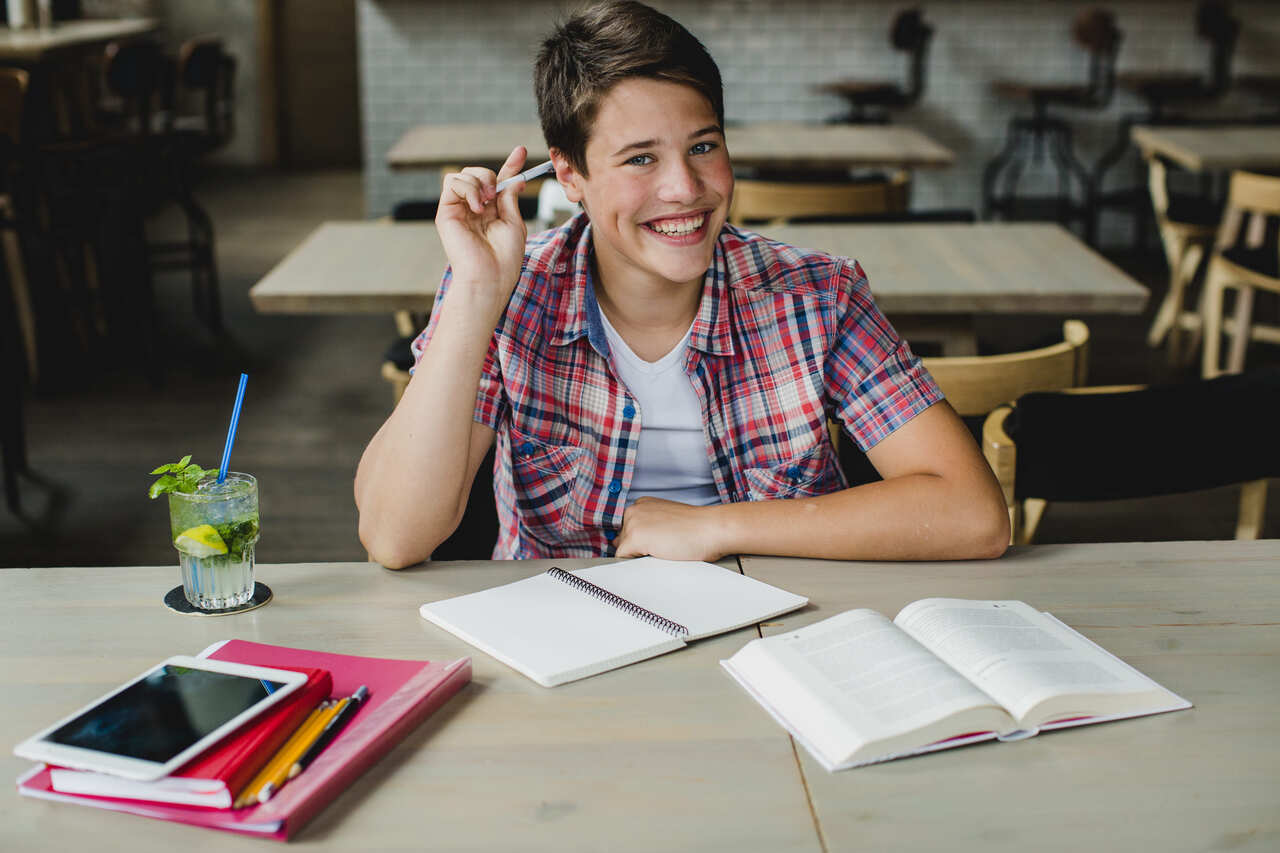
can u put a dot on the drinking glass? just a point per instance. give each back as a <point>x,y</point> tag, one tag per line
<point>215,529</point>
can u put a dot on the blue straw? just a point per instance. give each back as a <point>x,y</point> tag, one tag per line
<point>231,431</point>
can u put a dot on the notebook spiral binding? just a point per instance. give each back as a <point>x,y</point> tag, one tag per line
<point>662,623</point>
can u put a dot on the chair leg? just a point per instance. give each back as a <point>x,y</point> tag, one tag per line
<point>1032,513</point>
<point>1253,510</point>
<point>1240,333</point>
<point>1211,321</point>
<point>1167,314</point>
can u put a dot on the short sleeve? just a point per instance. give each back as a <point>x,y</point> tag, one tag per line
<point>874,381</point>
<point>491,399</point>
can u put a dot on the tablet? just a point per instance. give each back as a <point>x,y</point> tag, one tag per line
<point>163,718</point>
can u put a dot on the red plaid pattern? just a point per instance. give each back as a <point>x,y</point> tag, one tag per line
<point>784,339</point>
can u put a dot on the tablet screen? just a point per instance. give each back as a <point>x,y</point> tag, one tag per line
<point>159,716</point>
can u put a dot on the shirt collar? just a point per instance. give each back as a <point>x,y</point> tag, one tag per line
<point>579,313</point>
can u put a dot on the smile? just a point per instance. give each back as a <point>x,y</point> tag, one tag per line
<point>678,226</point>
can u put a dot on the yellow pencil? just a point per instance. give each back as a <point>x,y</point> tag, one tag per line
<point>250,793</point>
<point>280,771</point>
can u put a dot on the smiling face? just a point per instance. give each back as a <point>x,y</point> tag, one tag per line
<point>658,187</point>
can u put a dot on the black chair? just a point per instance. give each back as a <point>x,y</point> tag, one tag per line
<point>870,101</point>
<point>1162,91</point>
<point>1090,445</point>
<point>1095,31</point>
<point>477,533</point>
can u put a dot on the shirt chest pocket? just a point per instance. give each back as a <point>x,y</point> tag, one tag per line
<point>814,473</point>
<point>550,488</point>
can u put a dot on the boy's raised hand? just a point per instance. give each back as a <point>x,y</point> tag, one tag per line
<point>481,230</point>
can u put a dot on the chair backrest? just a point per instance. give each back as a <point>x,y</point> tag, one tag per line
<point>779,201</point>
<point>976,385</point>
<point>138,73</point>
<point>1215,24</point>
<point>13,97</point>
<point>205,68</point>
<point>1095,30</point>
<point>1136,443</point>
<point>911,34</point>
<point>1250,221</point>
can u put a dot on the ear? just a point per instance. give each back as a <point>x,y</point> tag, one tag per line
<point>569,178</point>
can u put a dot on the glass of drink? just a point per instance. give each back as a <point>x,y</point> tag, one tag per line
<point>215,528</point>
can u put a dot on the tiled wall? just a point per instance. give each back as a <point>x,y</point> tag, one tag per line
<point>470,60</point>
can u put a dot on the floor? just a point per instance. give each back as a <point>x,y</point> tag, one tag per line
<point>314,398</point>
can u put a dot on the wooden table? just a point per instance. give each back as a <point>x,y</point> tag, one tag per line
<point>1201,618</point>
<point>670,754</point>
<point>931,279</point>
<point>1210,148</point>
<point>356,268</point>
<point>779,144</point>
<point>32,45</point>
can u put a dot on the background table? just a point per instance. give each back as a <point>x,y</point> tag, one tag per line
<point>931,279</point>
<point>31,45</point>
<point>780,144</point>
<point>670,754</point>
<point>1207,148</point>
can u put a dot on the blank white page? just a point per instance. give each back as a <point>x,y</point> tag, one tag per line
<point>703,597</point>
<point>548,630</point>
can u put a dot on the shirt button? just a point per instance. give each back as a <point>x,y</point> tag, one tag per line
<point>794,473</point>
<point>610,534</point>
<point>615,487</point>
<point>629,411</point>
<point>526,449</point>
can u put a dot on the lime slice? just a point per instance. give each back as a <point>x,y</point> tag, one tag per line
<point>200,541</point>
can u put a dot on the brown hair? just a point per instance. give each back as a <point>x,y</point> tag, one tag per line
<point>599,47</point>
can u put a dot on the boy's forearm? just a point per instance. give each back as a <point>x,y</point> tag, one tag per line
<point>913,517</point>
<point>411,480</point>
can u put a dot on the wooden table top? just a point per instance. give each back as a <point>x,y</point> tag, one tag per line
<point>668,755</point>
<point>671,754</point>
<point>1201,618</point>
<point>779,144</point>
<point>1213,147</point>
<point>32,44</point>
<point>373,267</point>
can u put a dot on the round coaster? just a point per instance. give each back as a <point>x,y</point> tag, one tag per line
<point>177,602</point>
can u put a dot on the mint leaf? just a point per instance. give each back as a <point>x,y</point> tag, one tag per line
<point>183,462</point>
<point>165,484</point>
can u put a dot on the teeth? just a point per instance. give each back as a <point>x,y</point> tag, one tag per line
<point>676,227</point>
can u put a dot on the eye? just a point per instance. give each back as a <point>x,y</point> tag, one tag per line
<point>640,160</point>
<point>703,148</point>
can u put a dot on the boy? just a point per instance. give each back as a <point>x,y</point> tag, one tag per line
<point>659,382</point>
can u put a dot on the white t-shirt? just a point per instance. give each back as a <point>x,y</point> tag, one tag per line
<point>671,459</point>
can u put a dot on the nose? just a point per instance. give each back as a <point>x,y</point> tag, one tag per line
<point>681,183</point>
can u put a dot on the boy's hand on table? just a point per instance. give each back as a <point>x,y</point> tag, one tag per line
<point>669,530</point>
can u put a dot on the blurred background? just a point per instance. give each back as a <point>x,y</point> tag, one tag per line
<point>161,157</point>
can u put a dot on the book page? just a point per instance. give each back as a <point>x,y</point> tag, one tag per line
<point>703,597</point>
<point>1026,660</point>
<point>548,630</point>
<point>855,686</point>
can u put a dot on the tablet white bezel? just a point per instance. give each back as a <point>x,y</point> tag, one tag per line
<point>37,748</point>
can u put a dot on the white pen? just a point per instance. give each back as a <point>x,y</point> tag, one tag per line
<point>527,175</point>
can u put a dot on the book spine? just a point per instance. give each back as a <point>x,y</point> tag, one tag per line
<point>658,621</point>
<point>362,744</point>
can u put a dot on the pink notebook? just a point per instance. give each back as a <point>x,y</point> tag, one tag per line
<point>402,693</point>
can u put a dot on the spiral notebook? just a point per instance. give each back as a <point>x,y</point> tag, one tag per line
<point>560,626</point>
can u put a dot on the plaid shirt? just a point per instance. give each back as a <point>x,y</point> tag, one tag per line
<point>784,339</point>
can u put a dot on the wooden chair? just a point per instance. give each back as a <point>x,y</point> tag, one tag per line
<point>1187,226</point>
<point>1109,443</point>
<point>1246,258</point>
<point>976,385</point>
<point>777,202</point>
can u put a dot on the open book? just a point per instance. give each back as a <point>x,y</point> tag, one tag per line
<point>560,626</point>
<point>857,689</point>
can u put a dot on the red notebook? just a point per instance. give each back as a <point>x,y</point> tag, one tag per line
<point>401,695</point>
